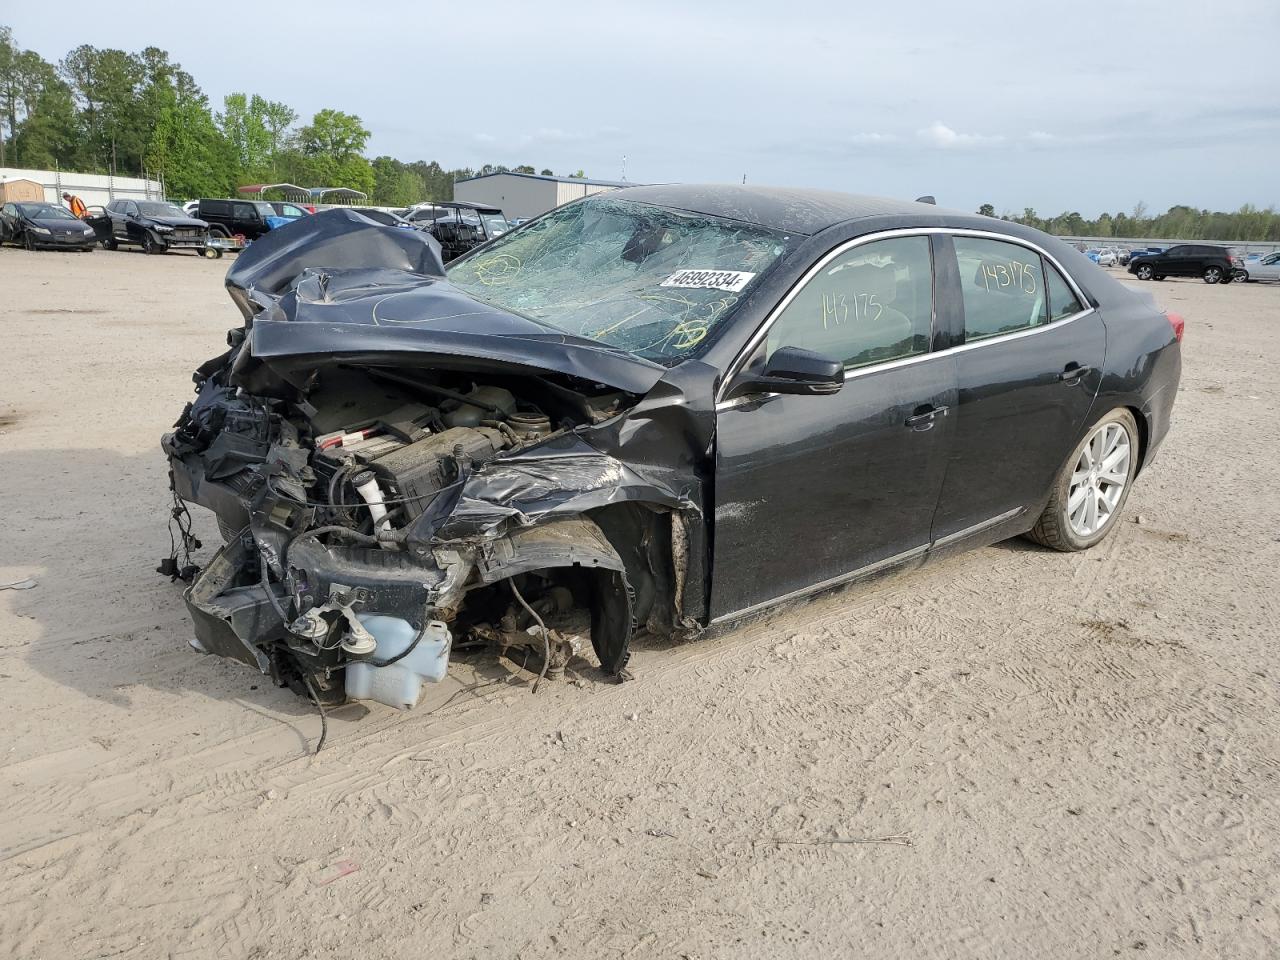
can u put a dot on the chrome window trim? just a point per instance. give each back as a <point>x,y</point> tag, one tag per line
<point>740,360</point>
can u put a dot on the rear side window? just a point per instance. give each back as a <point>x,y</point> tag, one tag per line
<point>215,208</point>
<point>1003,288</point>
<point>1062,299</point>
<point>870,304</point>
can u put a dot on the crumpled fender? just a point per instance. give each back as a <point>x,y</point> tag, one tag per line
<point>563,477</point>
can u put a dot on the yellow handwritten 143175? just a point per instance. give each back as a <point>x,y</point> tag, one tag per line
<point>996,274</point>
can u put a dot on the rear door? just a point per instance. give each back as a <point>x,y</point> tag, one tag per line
<point>810,489</point>
<point>1027,371</point>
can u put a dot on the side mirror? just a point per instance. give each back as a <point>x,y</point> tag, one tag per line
<point>792,370</point>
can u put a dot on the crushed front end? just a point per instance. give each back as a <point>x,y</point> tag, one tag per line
<point>399,472</point>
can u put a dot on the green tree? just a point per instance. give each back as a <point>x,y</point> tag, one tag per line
<point>106,84</point>
<point>334,134</point>
<point>277,118</point>
<point>986,210</point>
<point>243,122</point>
<point>547,172</point>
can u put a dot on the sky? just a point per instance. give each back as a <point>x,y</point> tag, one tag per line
<point>1053,105</point>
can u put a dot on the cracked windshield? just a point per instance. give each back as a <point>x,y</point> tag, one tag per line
<point>648,280</point>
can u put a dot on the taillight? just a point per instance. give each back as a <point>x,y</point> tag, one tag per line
<point>1176,321</point>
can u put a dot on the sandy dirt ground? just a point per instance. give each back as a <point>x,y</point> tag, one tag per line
<point>1078,755</point>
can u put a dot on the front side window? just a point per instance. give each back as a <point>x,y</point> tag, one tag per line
<point>1002,285</point>
<point>243,211</point>
<point>652,281</point>
<point>870,304</point>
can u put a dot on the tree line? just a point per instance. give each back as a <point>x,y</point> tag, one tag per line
<point>1177,223</point>
<point>133,114</point>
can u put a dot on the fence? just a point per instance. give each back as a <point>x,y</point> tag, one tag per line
<point>92,188</point>
<point>1241,247</point>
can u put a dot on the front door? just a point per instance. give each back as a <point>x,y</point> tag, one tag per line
<point>1027,373</point>
<point>1185,262</point>
<point>810,489</point>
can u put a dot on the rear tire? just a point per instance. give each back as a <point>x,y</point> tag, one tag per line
<point>1213,275</point>
<point>218,230</point>
<point>1062,526</point>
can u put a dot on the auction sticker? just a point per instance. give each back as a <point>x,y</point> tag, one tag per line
<point>730,280</point>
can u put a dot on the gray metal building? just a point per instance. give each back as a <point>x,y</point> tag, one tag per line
<point>527,194</point>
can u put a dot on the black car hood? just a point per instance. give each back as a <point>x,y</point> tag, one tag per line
<point>57,224</point>
<point>380,314</point>
<point>176,222</point>
<point>338,287</point>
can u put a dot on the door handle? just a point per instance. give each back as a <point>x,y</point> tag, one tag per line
<point>923,418</point>
<point>1074,372</point>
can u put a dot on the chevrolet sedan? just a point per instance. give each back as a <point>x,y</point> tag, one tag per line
<point>661,410</point>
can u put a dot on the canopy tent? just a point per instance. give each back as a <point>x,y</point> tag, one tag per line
<point>291,191</point>
<point>341,195</point>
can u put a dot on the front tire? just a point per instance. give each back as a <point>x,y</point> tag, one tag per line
<point>28,242</point>
<point>151,246</point>
<point>110,244</point>
<point>1145,272</point>
<point>1092,486</point>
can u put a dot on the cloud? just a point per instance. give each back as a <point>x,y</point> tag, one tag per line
<point>939,135</point>
<point>873,138</point>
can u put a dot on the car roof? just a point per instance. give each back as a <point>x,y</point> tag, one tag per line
<point>792,210</point>
<point>468,205</point>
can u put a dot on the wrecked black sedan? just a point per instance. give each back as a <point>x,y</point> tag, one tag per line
<point>655,410</point>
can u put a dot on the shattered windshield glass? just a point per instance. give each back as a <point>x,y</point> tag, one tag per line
<point>645,279</point>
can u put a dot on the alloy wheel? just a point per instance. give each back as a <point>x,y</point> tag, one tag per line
<point>1098,480</point>
<point>1144,272</point>
<point>1212,275</point>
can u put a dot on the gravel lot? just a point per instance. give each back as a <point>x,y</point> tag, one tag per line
<point>1079,755</point>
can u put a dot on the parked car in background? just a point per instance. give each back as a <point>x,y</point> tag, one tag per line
<point>1123,255</point>
<point>1211,264</point>
<point>609,419</point>
<point>1266,267</point>
<point>230,218</point>
<point>459,226</point>
<point>1107,257</point>
<point>384,217</point>
<point>156,226</point>
<point>35,225</point>
<point>291,210</point>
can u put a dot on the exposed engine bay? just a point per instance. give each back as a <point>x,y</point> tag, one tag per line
<point>384,504</point>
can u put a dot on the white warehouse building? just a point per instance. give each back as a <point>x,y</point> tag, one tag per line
<point>525,195</point>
